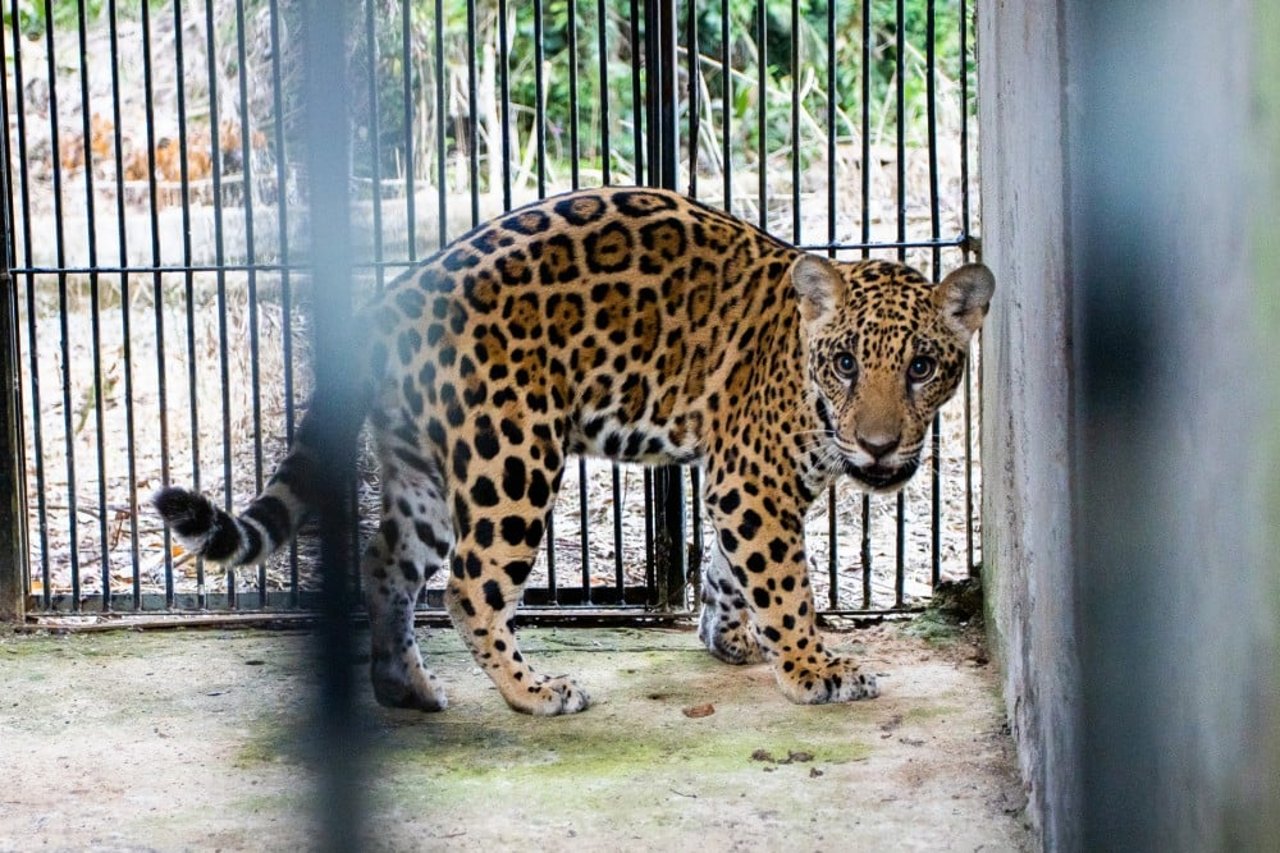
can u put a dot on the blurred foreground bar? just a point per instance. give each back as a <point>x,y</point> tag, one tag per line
<point>340,802</point>
<point>1176,412</point>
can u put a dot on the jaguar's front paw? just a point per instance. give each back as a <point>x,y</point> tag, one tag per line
<point>727,636</point>
<point>548,697</point>
<point>820,678</point>
<point>406,684</point>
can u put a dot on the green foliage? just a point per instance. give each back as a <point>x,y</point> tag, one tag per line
<point>560,102</point>
<point>816,19</point>
<point>33,15</point>
<point>763,75</point>
<point>802,23</point>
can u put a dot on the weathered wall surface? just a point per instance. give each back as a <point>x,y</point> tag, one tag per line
<point>1026,392</point>
<point>1130,163</point>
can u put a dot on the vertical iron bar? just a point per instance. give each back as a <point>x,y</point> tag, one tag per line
<point>553,587</point>
<point>833,542</point>
<point>900,573</point>
<point>832,201</point>
<point>935,520</point>
<point>968,469</point>
<point>619,578</point>
<point>698,547</point>
<point>695,101</point>
<point>374,141</point>
<point>865,156</point>
<point>95,310</point>
<point>795,121</point>
<point>375,163</point>
<point>7,224</point>
<point>65,344</point>
<point>582,514</point>
<point>637,110</point>
<point>251,254</point>
<point>762,106</point>
<point>442,188</point>
<point>900,111</point>
<point>833,557</point>
<point>966,226</point>
<point>540,153</point>
<point>574,179</point>
<point>473,134</point>
<point>124,306</point>
<point>966,221</point>
<point>606,177</point>
<point>671,552</point>
<point>865,552</point>
<point>653,85</point>
<point>574,166</point>
<point>37,433</point>
<point>865,153</point>
<point>539,97</point>
<point>935,231</point>
<point>286,283</point>
<point>13,556</point>
<point>219,254</point>
<point>606,155</point>
<point>900,100</point>
<point>188,276</point>
<point>726,109</point>
<point>504,89</point>
<point>13,498</point>
<point>650,558</point>
<point>162,402</point>
<point>410,171</point>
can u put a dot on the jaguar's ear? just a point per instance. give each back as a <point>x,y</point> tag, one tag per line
<point>963,298</point>
<point>819,287</point>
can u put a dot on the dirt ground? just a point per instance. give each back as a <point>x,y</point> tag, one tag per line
<point>198,740</point>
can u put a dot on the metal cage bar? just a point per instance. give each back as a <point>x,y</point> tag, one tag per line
<point>173,186</point>
<point>13,545</point>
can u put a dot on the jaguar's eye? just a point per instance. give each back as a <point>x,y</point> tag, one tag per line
<point>922,368</point>
<point>846,365</point>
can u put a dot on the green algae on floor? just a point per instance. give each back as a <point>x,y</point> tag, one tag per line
<point>202,739</point>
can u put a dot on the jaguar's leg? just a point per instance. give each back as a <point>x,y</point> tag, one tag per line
<point>763,541</point>
<point>723,623</point>
<point>412,543</point>
<point>500,513</point>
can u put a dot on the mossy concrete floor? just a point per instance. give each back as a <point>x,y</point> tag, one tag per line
<point>199,741</point>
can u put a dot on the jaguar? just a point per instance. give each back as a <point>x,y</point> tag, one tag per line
<point>641,326</point>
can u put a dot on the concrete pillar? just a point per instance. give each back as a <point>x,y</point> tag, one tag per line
<point>1026,395</point>
<point>1130,163</point>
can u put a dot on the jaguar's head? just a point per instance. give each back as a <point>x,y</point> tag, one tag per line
<point>885,349</point>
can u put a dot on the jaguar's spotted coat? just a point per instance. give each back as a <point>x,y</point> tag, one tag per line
<point>641,326</point>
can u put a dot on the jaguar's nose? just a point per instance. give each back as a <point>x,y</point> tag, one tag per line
<point>879,446</point>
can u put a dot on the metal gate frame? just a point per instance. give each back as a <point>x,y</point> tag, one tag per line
<point>13,490</point>
<point>674,556</point>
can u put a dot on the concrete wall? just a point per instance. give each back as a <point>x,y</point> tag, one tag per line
<point>1026,391</point>
<point>1130,156</point>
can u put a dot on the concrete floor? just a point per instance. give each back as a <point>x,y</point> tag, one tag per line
<point>197,740</point>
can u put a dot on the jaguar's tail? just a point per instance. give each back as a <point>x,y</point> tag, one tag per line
<point>273,518</point>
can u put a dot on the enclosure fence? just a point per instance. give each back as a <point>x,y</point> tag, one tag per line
<point>157,280</point>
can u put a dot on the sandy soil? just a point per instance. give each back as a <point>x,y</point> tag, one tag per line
<point>176,741</point>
